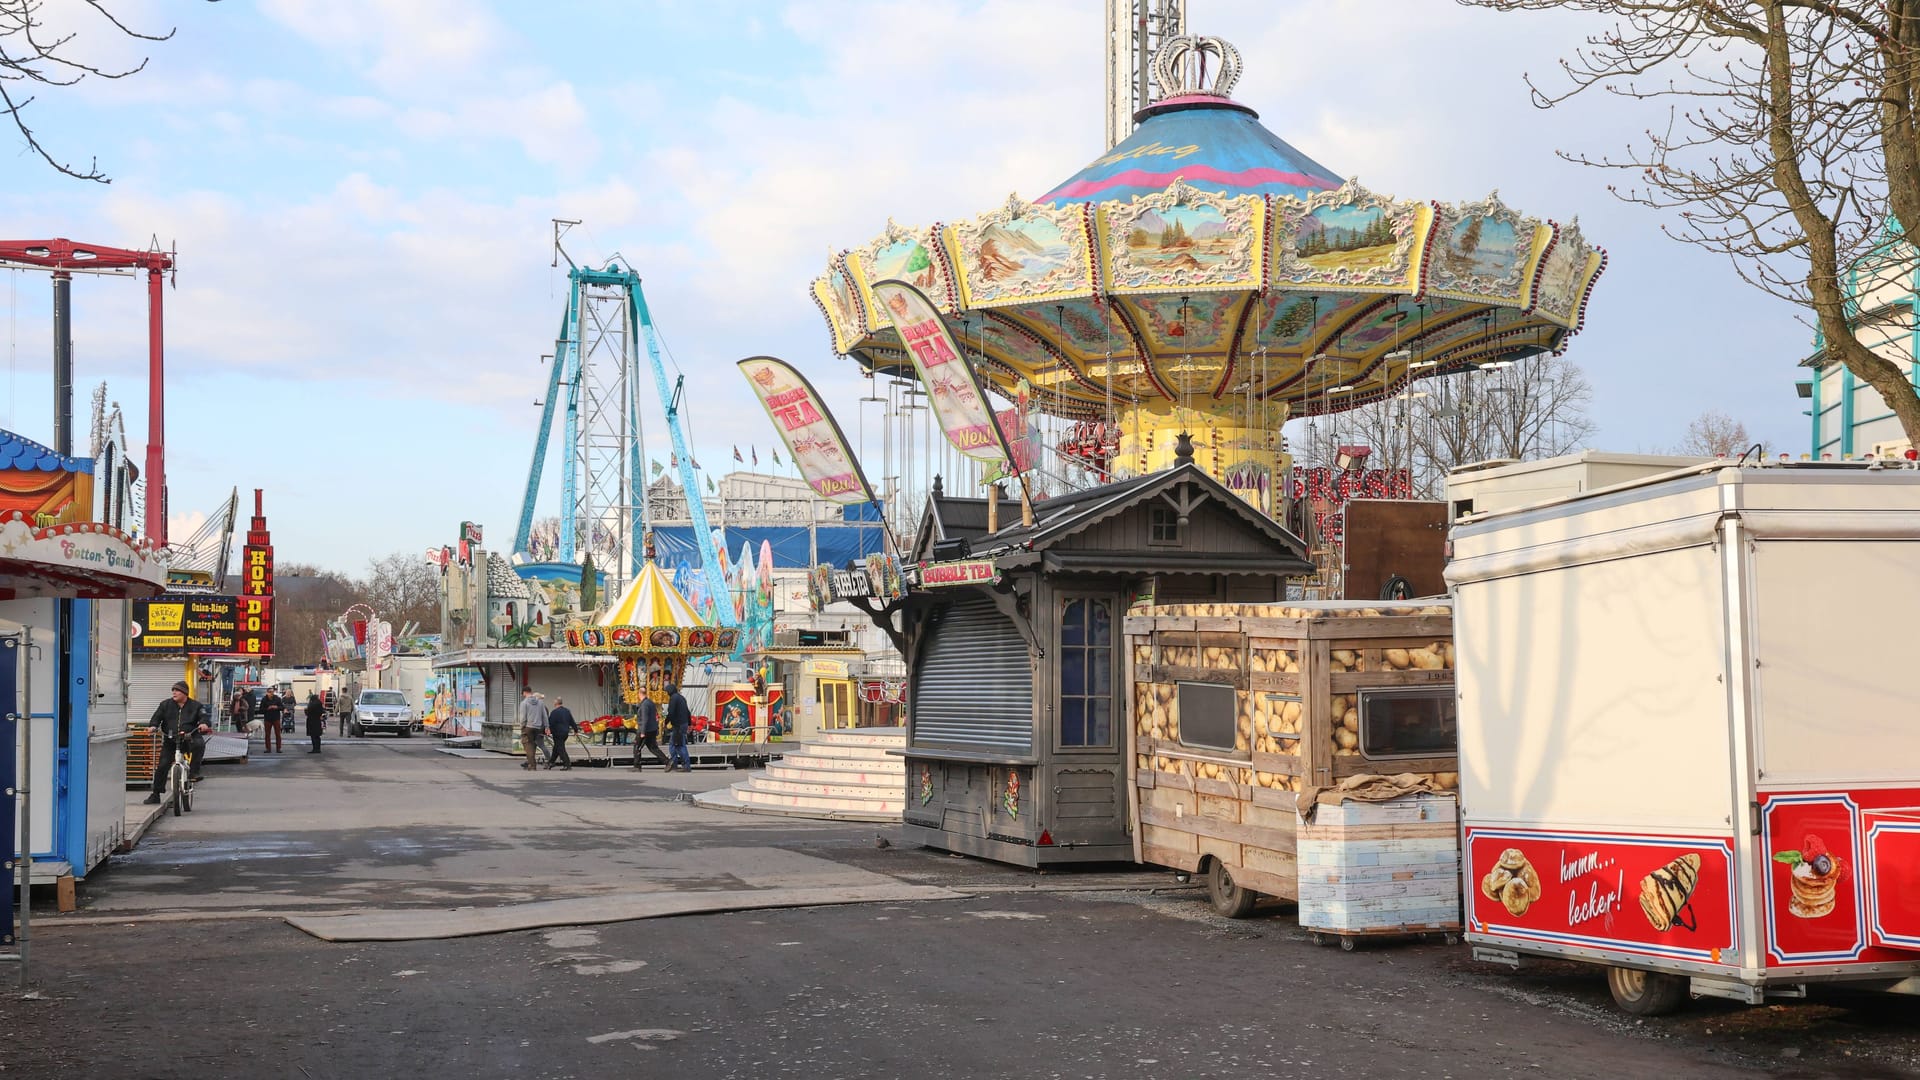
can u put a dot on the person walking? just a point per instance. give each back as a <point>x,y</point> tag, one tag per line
<point>270,709</point>
<point>560,728</point>
<point>533,726</point>
<point>649,739</point>
<point>179,715</point>
<point>343,708</point>
<point>316,720</point>
<point>679,722</point>
<point>240,707</point>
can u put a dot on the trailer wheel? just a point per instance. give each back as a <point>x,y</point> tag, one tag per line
<point>1226,897</point>
<point>1646,993</point>
<point>1348,944</point>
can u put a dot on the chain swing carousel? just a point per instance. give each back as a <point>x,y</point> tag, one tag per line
<point>1163,312</point>
<point>1204,277</point>
<point>653,632</point>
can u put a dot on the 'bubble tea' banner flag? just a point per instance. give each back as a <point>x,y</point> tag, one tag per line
<point>819,448</point>
<point>958,403</point>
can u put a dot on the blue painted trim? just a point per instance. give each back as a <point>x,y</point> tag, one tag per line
<point>1846,412</point>
<point>1819,377</point>
<point>70,820</point>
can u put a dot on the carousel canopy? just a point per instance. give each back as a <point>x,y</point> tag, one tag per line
<point>1207,272</point>
<point>650,601</point>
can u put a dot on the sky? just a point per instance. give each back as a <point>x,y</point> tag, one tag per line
<point>360,192</point>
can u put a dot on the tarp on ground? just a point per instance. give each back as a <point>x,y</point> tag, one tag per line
<point>792,548</point>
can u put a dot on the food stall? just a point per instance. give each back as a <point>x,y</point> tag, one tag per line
<point>1242,713</point>
<point>1686,738</point>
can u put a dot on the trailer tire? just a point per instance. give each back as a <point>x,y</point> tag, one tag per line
<point>1646,993</point>
<point>1227,897</point>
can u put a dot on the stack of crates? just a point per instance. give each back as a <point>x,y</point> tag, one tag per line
<point>143,755</point>
<point>1381,867</point>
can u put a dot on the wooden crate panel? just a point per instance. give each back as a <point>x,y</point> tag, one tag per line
<point>1381,867</point>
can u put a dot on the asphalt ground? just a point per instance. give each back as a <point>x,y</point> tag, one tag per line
<point>180,962</point>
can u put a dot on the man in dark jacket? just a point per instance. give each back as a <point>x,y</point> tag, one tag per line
<point>179,714</point>
<point>316,720</point>
<point>649,739</point>
<point>560,727</point>
<point>270,709</point>
<point>679,723</point>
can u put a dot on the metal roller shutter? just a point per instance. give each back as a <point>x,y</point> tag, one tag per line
<point>148,683</point>
<point>973,686</point>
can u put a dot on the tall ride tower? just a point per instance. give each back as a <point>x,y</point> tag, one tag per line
<point>1135,31</point>
<point>594,384</point>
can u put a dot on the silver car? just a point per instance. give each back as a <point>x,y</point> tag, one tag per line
<point>381,710</point>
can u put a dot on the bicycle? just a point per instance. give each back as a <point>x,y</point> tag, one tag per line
<point>179,788</point>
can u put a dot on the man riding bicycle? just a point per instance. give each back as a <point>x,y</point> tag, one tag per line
<point>179,720</point>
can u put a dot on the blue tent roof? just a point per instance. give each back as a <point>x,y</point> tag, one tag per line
<point>20,452</point>
<point>1210,142</point>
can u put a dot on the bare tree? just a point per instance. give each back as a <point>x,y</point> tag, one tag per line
<point>1715,434</point>
<point>34,57</point>
<point>305,598</point>
<point>1791,144</point>
<point>1532,408</point>
<point>403,588</point>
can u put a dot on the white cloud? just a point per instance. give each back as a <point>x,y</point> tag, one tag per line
<point>401,45</point>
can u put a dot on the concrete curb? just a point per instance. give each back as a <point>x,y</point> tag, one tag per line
<point>429,925</point>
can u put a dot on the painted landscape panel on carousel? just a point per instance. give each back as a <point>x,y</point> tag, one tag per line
<point>1197,239</point>
<point>1021,258</point>
<point>1480,254</point>
<point>907,260</point>
<point>835,293</point>
<point>1351,238</point>
<point>1561,276</point>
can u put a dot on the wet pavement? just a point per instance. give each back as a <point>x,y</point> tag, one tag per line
<point>1100,972</point>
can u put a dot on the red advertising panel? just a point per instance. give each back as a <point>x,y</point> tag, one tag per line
<point>1841,865</point>
<point>1893,876</point>
<point>256,570</point>
<point>253,626</point>
<point>1657,896</point>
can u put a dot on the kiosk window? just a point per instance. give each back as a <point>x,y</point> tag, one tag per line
<point>1086,673</point>
<point>1207,715</point>
<point>1408,723</point>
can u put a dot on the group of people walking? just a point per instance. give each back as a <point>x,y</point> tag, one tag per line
<point>550,728</point>
<point>273,710</point>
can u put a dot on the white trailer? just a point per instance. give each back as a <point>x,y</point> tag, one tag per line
<point>1687,747</point>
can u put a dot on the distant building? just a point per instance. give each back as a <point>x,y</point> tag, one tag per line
<point>1847,417</point>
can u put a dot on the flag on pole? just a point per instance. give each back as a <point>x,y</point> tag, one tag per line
<point>776,456</point>
<point>709,485</point>
<point>736,453</point>
<point>657,467</point>
<point>674,459</point>
<point>755,451</point>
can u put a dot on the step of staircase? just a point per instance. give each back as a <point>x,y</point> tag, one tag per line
<point>804,771</point>
<point>889,738</point>
<point>875,767</point>
<point>776,785</point>
<point>889,808</point>
<point>842,775</point>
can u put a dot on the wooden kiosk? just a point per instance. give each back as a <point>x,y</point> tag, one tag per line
<point>1017,726</point>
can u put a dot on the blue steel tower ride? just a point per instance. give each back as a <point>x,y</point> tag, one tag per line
<point>596,376</point>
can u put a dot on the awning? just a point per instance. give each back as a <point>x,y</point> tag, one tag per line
<point>83,560</point>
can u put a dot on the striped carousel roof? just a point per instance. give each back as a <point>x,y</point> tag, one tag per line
<point>650,601</point>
